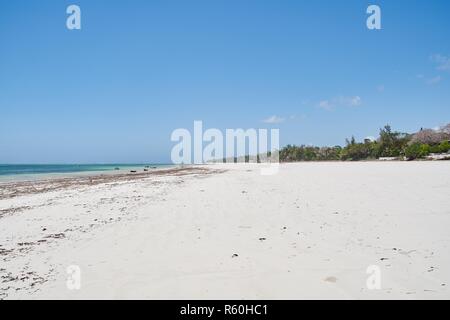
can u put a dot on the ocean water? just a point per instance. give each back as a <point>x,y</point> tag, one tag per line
<point>10,172</point>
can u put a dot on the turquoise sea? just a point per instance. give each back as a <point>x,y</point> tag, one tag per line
<point>36,171</point>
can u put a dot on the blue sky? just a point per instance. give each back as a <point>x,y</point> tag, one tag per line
<point>116,89</point>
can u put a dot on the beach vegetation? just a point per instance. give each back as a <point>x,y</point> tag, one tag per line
<point>389,144</point>
<point>417,150</point>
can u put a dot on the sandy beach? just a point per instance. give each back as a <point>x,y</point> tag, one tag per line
<point>228,232</point>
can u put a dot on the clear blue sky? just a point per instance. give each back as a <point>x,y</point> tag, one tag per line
<point>116,89</point>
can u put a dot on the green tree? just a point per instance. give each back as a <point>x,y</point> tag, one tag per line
<point>417,151</point>
<point>391,143</point>
<point>444,147</point>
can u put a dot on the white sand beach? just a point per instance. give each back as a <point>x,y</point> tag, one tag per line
<point>228,232</point>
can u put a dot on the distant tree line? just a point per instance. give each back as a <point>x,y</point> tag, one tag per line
<point>389,144</point>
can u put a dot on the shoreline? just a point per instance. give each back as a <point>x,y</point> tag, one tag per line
<point>11,189</point>
<point>38,176</point>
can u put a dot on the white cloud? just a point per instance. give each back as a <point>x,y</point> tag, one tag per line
<point>325,104</point>
<point>273,120</point>
<point>442,62</point>
<point>434,80</point>
<point>380,88</point>
<point>353,101</point>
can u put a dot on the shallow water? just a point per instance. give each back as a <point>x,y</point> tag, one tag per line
<point>19,172</point>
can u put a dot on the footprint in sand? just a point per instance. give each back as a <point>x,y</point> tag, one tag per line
<point>330,279</point>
